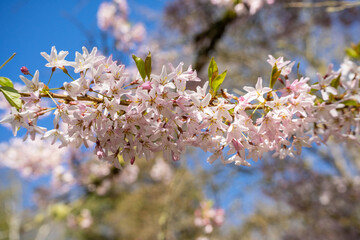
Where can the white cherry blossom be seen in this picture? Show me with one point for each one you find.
(55, 59)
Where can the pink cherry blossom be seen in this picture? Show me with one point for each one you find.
(128, 117)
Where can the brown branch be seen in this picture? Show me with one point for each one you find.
(331, 6)
(66, 97)
(125, 102)
(206, 40)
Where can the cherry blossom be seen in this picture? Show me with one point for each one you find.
(113, 17)
(34, 85)
(208, 217)
(55, 59)
(324, 86)
(257, 92)
(134, 118)
(17, 119)
(284, 66)
(31, 158)
(241, 6)
(161, 171)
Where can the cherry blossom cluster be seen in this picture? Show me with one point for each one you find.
(113, 16)
(99, 178)
(152, 113)
(34, 159)
(208, 217)
(84, 220)
(240, 7)
(161, 171)
(31, 159)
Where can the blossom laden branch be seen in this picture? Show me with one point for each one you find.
(138, 116)
(66, 97)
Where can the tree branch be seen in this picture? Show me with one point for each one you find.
(206, 40)
(66, 97)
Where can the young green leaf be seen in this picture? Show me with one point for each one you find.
(140, 66)
(121, 160)
(212, 70)
(352, 53)
(5, 82)
(12, 96)
(275, 73)
(231, 111)
(335, 82)
(350, 102)
(148, 65)
(216, 83)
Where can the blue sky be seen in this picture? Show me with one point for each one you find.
(29, 27)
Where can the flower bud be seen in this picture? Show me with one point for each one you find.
(146, 85)
(64, 69)
(237, 145)
(24, 70)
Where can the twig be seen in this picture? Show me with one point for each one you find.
(66, 97)
(331, 6)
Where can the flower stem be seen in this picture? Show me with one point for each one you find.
(52, 72)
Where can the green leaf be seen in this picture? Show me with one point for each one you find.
(216, 83)
(148, 65)
(275, 73)
(121, 160)
(313, 91)
(12, 96)
(60, 211)
(318, 101)
(213, 71)
(335, 82)
(350, 102)
(231, 111)
(140, 66)
(5, 82)
(352, 53)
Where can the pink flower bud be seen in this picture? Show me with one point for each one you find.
(100, 152)
(132, 160)
(175, 157)
(146, 85)
(24, 70)
(237, 145)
